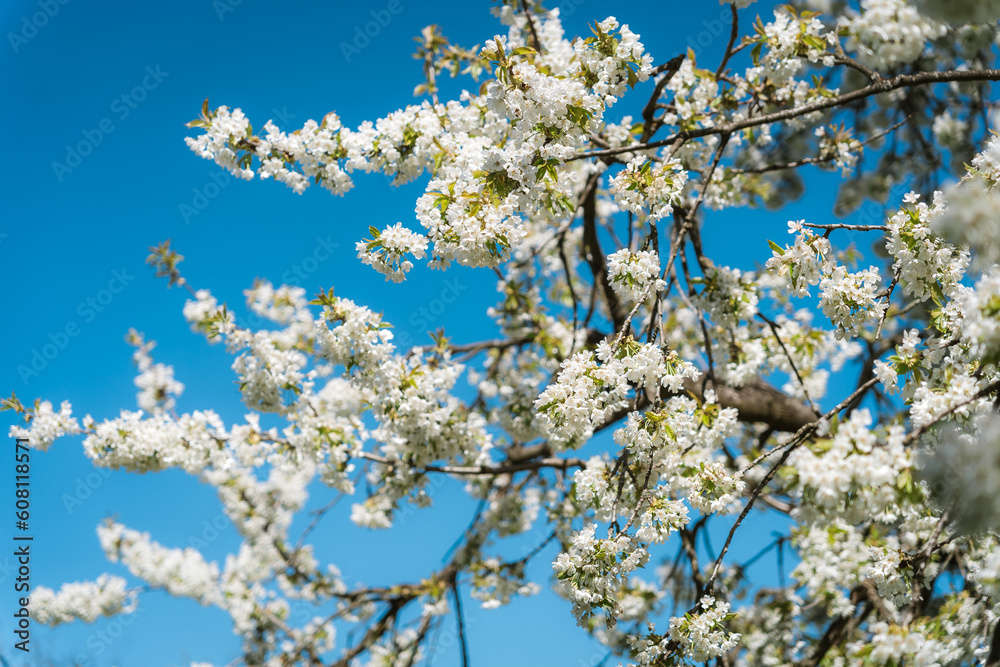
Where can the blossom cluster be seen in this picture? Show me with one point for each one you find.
(635, 387)
(887, 33)
(635, 275)
(85, 601)
(643, 186)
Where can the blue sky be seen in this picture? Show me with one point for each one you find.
(97, 171)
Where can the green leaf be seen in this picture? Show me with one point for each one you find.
(775, 247)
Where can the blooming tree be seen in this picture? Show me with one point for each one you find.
(853, 391)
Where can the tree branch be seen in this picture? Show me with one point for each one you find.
(875, 88)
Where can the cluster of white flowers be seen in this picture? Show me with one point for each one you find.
(617, 62)
(892, 643)
(576, 402)
(218, 141)
(47, 425)
(987, 163)
(694, 95)
(157, 442)
(833, 557)
(838, 147)
(85, 601)
(887, 33)
(906, 361)
(198, 311)
(703, 635)
(850, 300)
(643, 185)
(283, 305)
(931, 401)
(594, 570)
(682, 424)
(804, 262)
(270, 376)
(852, 473)
(949, 131)
(884, 570)
(496, 584)
(661, 518)
(181, 572)
(155, 381)
(635, 276)
(792, 41)
(486, 172)
(927, 266)
(712, 488)
(981, 324)
(987, 567)
(729, 295)
(387, 251)
(505, 173)
(590, 388)
(592, 488)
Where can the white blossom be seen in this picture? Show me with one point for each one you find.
(85, 601)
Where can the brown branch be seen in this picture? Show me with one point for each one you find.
(820, 160)
(594, 255)
(572, 291)
(841, 225)
(840, 628)
(461, 625)
(687, 543)
(993, 660)
(758, 401)
(537, 43)
(917, 597)
(500, 469)
(733, 34)
(810, 427)
(875, 88)
(670, 68)
(374, 632)
(496, 344)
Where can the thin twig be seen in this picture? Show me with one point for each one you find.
(733, 34)
(791, 361)
(461, 624)
(537, 43)
(875, 88)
